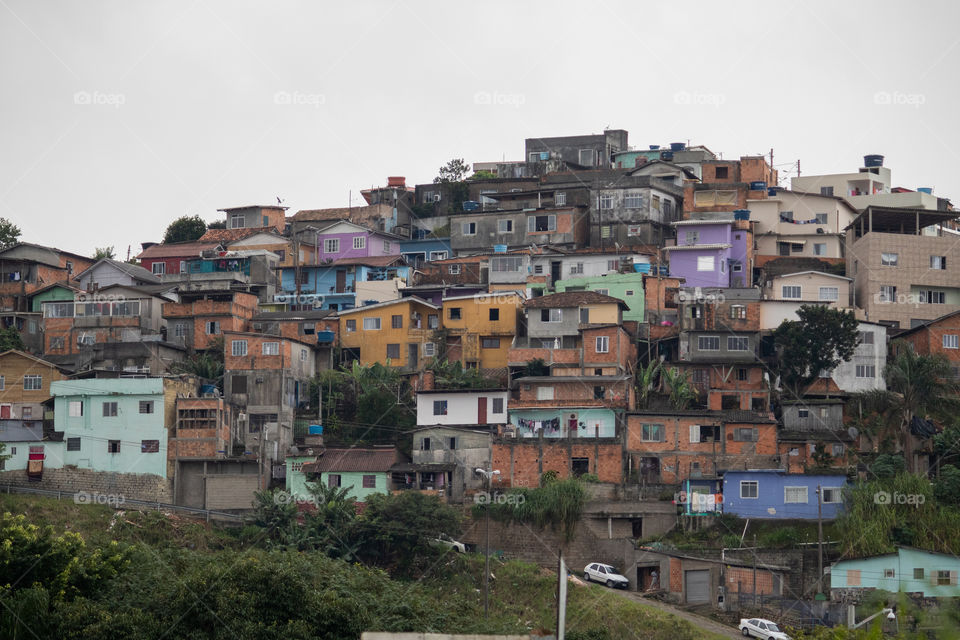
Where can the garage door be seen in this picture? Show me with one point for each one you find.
(697, 585)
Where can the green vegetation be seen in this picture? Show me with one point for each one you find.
(556, 504)
(820, 340)
(185, 229)
(103, 252)
(10, 339)
(682, 391)
(9, 233)
(100, 580)
(452, 375)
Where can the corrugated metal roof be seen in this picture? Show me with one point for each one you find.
(377, 459)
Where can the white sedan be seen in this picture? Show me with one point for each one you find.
(605, 574)
(760, 628)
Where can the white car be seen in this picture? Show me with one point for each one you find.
(760, 628)
(447, 542)
(605, 574)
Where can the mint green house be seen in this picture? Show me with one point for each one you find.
(58, 292)
(296, 483)
(364, 471)
(625, 286)
(114, 425)
(934, 575)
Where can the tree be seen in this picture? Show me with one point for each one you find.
(947, 486)
(219, 224)
(454, 171)
(451, 178)
(682, 391)
(103, 252)
(9, 233)
(483, 174)
(646, 382)
(10, 339)
(185, 229)
(820, 340)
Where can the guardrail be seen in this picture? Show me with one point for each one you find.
(127, 503)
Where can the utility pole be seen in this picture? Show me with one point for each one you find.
(486, 556)
(754, 572)
(819, 541)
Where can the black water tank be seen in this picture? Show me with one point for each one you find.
(666, 155)
(874, 160)
(677, 146)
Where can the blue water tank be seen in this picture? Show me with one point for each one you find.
(873, 160)
(499, 248)
(654, 147)
(470, 205)
(325, 337)
(209, 389)
(315, 430)
(758, 186)
(927, 190)
(772, 191)
(666, 155)
(741, 214)
(678, 146)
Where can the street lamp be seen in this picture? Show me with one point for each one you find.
(486, 563)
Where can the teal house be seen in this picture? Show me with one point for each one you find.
(114, 425)
(932, 575)
(57, 292)
(363, 471)
(624, 286)
(296, 483)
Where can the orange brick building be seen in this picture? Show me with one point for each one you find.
(201, 317)
(937, 337)
(26, 268)
(522, 461)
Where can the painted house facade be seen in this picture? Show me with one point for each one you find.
(25, 385)
(712, 253)
(362, 471)
(160, 259)
(462, 407)
(480, 328)
(912, 571)
(774, 494)
(398, 330)
(348, 240)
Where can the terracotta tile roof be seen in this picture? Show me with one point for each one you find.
(339, 213)
(372, 261)
(222, 236)
(569, 299)
(377, 459)
(176, 250)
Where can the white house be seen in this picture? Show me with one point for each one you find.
(461, 407)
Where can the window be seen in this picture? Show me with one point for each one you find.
(387, 247)
(359, 242)
(158, 268)
(889, 259)
(791, 292)
(371, 324)
(505, 226)
(497, 405)
(109, 409)
(587, 157)
(541, 223)
(836, 449)
(439, 409)
(331, 245)
(281, 253)
(721, 173)
(708, 343)
(369, 481)
(180, 329)
(468, 228)
(866, 371)
(853, 577)
(425, 443)
(585, 315)
(396, 322)
(918, 573)
(655, 205)
(73, 444)
(429, 350)
(633, 200)
(888, 573)
(606, 201)
(749, 489)
(933, 297)
(551, 315)
(950, 341)
(454, 313)
(238, 348)
(506, 263)
(603, 344)
(576, 269)
(826, 191)
(438, 255)
(559, 199)
(271, 348)
(705, 263)
(603, 292)
(738, 312)
(704, 433)
(149, 446)
(146, 406)
(888, 293)
(453, 269)
(236, 220)
(32, 383)
(578, 467)
(57, 343)
(820, 249)
(3, 383)
(938, 262)
(628, 292)
(821, 218)
(75, 408)
(943, 578)
(433, 321)
(795, 495)
(737, 343)
(213, 327)
(613, 265)
(651, 433)
(333, 480)
(490, 343)
(113, 446)
(351, 326)
(238, 384)
(494, 314)
(829, 294)
(736, 267)
(393, 351)
(544, 393)
(745, 434)
(803, 413)
(831, 495)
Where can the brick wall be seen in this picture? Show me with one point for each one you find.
(129, 485)
(676, 575)
(522, 463)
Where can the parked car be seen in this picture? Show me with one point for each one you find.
(449, 543)
(760, 628)
(605, 574)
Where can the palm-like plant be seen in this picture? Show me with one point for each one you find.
(682, 391)
(646, 381)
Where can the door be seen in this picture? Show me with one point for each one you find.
(697, 586)
(413, 358)
(481, 410)
(555, 272)
(4, 412)
(341, 280)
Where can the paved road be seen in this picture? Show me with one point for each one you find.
(692, 618)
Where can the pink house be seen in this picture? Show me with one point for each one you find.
(347, 240)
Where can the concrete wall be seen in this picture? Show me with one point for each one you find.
(129, 485)
(462, 407)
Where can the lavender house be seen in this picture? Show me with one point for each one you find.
(713, 253)
(347, 240)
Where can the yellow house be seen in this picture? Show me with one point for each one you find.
(25, 385)
(398, 330)
(481, 327)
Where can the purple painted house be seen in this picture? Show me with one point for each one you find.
(713, 253)
(347, 240)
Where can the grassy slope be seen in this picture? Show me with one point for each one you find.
(522, 595)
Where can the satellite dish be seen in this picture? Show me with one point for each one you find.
(853, 432)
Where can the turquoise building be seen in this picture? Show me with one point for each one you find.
(363, 471)
(296, 482)
(625, 286)
(934, 575)
(114, 425)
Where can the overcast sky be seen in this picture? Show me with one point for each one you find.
(118, 117)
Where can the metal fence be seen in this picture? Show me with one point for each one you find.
(117, 502)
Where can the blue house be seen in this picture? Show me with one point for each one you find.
(333, 285)
(775, 494)
(418, 250)
(934, 575)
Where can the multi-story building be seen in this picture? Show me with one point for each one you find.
(810, 424)
(398, 332)
(26, 268)
(863, 372)
(787, 223)
(343, 283)
(254, 271)
(587, 151)
(480, 328)
(345, 239)
(623, 286)
(160, 259)
(25, 385)
(677, 153)
(107, 272)
(562, 226)
(726, 185)
(201, 317)
(937, 337)
(905, 265)
(715, 252)
(256, 217)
